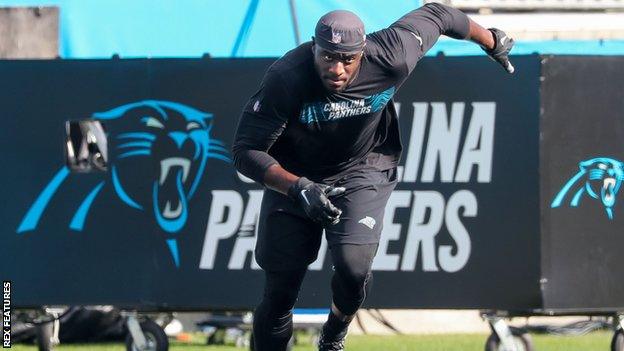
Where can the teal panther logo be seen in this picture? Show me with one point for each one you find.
(599, 178)
(172, 139)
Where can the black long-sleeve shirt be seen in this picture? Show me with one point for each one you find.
(292, 120)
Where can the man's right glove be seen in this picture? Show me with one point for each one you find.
(502, 47)
(314, 198)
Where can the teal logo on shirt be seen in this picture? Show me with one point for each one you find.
(315, 112)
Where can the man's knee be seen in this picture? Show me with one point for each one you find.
(350, 287)
(349, 296)
(280, 300)
(352, 263)
(353, 277)
(281, 290)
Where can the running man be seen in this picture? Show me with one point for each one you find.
(321, 134)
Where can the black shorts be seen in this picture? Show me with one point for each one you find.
(288, 239)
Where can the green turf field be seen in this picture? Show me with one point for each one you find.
(597, 341)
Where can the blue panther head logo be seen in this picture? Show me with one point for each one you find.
(172, 140)
(600, 178)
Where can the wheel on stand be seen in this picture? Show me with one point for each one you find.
(522, 341)
(617, 343)
(155, 337)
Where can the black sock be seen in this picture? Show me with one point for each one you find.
(335, 328)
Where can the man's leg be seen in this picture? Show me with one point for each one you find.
(350, 286)
(287, 243)
(353, 242)
(272, 326)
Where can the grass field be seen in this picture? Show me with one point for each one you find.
(597, 341)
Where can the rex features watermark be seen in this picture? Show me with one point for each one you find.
(6, 314)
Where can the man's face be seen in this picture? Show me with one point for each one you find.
(336, 70)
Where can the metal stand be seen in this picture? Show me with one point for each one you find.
(617, 342)
(144, 333)
(48, 332)
(135, 329)
(618, 320)
(504, 337)
(501, 329)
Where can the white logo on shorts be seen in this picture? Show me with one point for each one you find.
(368, 221)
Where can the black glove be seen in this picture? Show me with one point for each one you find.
(314, 198)
(502, 47)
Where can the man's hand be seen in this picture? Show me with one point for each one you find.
(314, 198)
(502, 47)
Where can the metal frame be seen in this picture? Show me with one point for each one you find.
(134, 328)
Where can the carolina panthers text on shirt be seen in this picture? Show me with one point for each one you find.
(315, 112)
(346, 108)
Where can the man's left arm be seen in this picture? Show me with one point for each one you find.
(494, 42)
(423, 26)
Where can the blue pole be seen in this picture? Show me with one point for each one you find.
(243, 33)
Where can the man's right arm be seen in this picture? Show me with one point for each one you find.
(278, 179)
(251, 157)
(261, 167)
(263, 120)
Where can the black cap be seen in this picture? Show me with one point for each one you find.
(340, 31)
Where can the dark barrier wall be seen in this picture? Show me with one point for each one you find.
(171, 224)
(582, 167)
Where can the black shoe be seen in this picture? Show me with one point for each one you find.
(330, 345)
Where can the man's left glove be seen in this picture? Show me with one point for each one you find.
(314, 199)
(502, 47)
